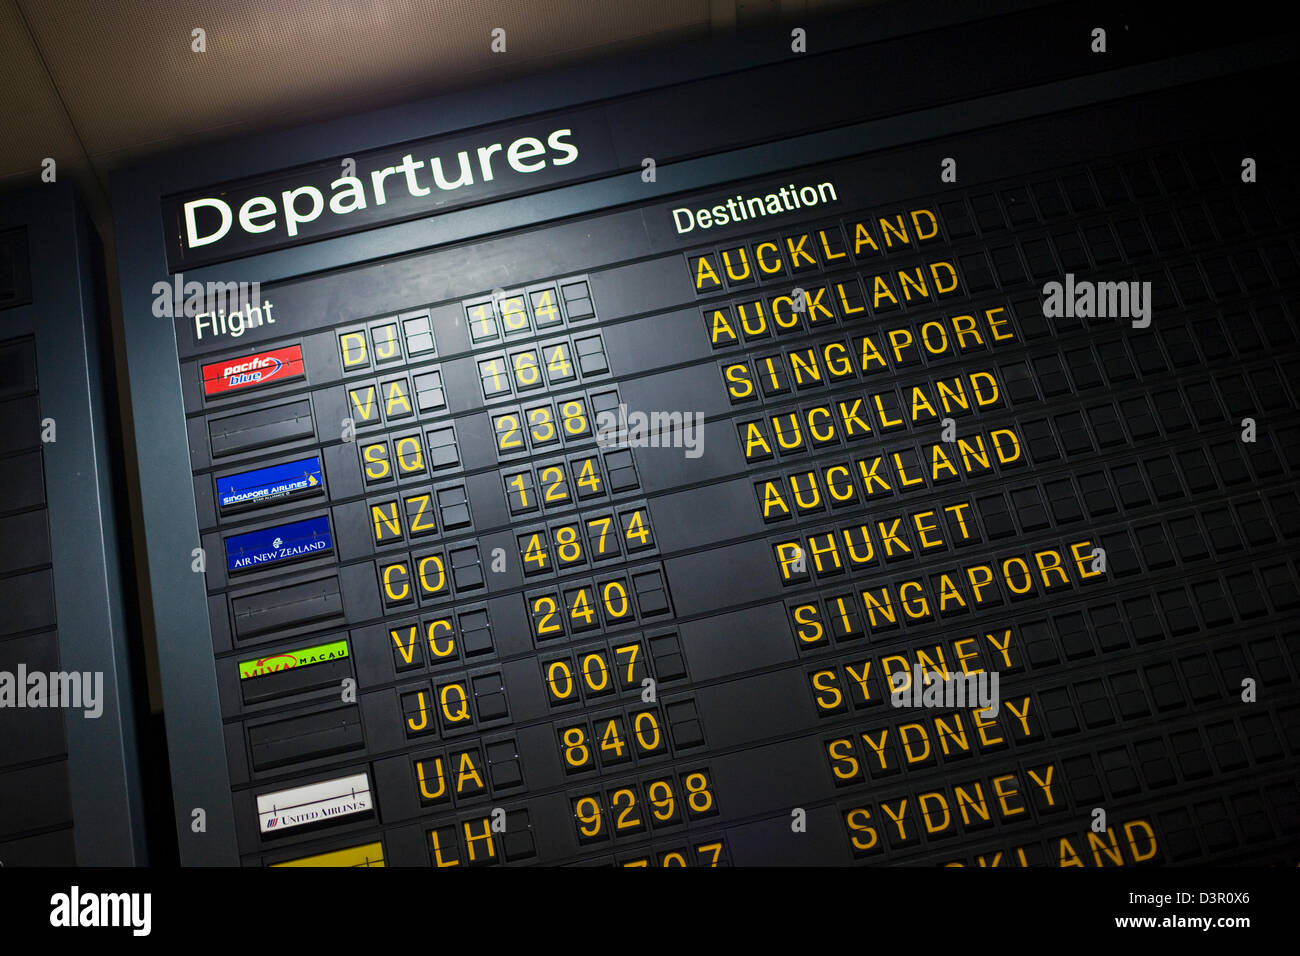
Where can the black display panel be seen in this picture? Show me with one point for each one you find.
(69, 777)
(596, 526)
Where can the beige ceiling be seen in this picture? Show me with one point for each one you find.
(94, 84)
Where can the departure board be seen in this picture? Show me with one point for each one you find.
(851, 492)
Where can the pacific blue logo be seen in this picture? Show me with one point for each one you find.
(272, 546)
(252, 371)
(251, 489)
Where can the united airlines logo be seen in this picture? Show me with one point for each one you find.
(273, 546)
(249, 371)
(315, 802)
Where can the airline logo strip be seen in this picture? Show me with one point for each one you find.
(277, 545)
(314, 803)
(369, 854)
(302, 657)
(250, 489)
(253, 371)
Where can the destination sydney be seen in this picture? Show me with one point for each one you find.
(414, 180)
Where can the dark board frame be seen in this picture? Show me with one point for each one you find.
(197, 748)
(67, 317)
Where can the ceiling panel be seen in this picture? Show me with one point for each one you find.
(131, 79)
(97, 85)
(35, 125)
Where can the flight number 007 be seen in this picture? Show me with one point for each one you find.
(596, 677)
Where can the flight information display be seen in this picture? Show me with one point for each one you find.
(844, 507)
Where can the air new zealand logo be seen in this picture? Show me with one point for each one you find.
(272, 545)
